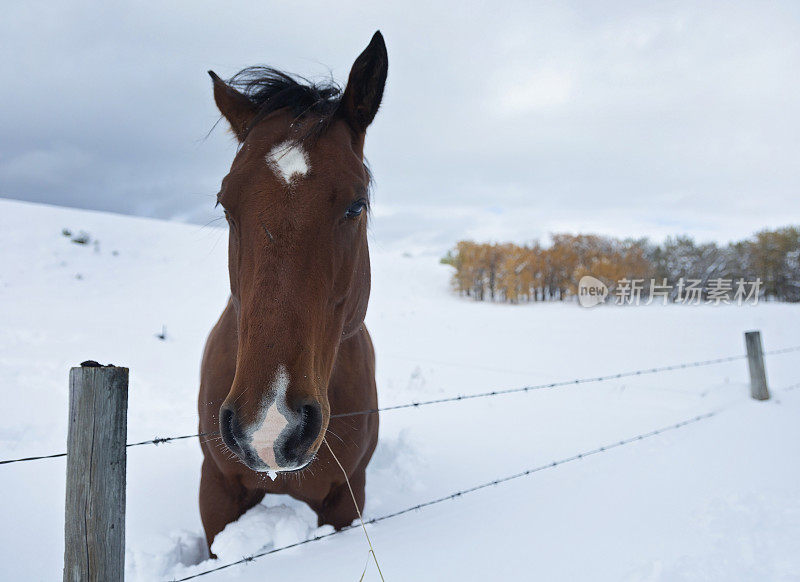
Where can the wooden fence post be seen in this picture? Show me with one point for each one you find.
(755, 361)
(94, 530)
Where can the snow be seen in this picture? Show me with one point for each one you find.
(715, 500)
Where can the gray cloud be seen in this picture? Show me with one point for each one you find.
(500, 121)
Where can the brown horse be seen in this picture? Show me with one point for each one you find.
(290, 349)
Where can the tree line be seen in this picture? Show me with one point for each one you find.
(507, 272)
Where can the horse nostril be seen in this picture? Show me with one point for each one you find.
(229, 429)
(311, 415)
(294, 450)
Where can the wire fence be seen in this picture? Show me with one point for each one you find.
(463, 397)
(758, 386)
(459, 493)
(484, 485)
(153, 441)
(563, 383)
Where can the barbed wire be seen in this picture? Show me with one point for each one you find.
(162, 440)
(781, 351)
(53, 456)
(461, 397)
(460, 493)
(574, 382)
(154, 441)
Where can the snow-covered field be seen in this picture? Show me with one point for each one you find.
(715, 500)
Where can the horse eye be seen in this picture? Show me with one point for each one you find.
(355, 209)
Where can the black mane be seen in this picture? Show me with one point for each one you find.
(270, 90)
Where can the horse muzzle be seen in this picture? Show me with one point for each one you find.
(280, 439)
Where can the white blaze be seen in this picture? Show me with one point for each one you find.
(273, 421)
(288, 160)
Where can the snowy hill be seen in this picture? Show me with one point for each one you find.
(714, 500)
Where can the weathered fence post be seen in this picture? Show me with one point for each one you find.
(755, 361)
(94, 531)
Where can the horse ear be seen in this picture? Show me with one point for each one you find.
(364, 90)
(234, 106)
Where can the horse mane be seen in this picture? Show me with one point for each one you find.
(270, 89)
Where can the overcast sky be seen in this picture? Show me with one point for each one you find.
(501, 121)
